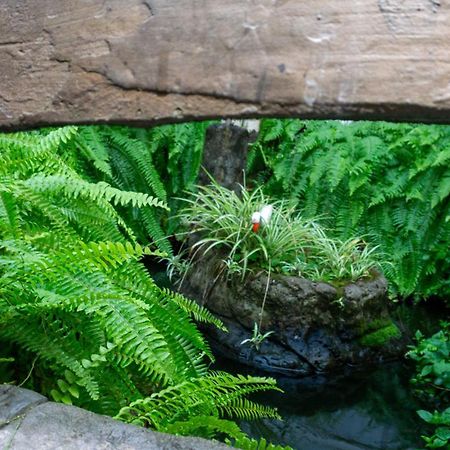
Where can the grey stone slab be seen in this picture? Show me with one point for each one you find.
(33, 424)
(15, 401)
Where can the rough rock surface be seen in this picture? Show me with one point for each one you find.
(151, 61)
(317, 328)
(29, 421)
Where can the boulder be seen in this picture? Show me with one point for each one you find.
(317, 327)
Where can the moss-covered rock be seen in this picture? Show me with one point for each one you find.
(316, 327)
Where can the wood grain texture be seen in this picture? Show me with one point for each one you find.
(153, 61)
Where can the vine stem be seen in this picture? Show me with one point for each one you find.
(441, 388)
(29, 373)
(264, 299)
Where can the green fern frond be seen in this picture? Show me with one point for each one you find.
(94, 191)
(154, 230)
(199, 313)
(211, 395)
(246, 443)
(137, 152)
(112, 254)
(91, 142)
(208, 427)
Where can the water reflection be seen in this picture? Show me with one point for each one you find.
(364, 410)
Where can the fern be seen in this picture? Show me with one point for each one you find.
(195, 310)
(69, 280)
(77, 302)
(246, 443)
(389, 182)
(199, 406)
(161, 162)
(203, 406)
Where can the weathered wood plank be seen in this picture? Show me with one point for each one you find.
(152, 61)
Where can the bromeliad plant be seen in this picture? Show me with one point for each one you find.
(288, 244)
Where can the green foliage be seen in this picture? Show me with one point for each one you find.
(388, 182)
(432, 356)
(203, 407)
(441, 420)
(161, 162)
(288, 244)
(72, 291)
(196, 311)
(77, 302)
(246, 443)
(432, 383)
(257, 337)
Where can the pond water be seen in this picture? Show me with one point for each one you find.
(364, 410)
(361, 410)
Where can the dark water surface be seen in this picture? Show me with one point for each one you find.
(365, 410)
(361, 410)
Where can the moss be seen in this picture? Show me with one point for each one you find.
(380, 336)
(375, 325)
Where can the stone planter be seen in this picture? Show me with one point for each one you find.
(317, 327)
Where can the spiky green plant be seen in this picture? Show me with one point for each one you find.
(288, 244)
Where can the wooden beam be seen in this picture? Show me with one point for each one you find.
(145, 62)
